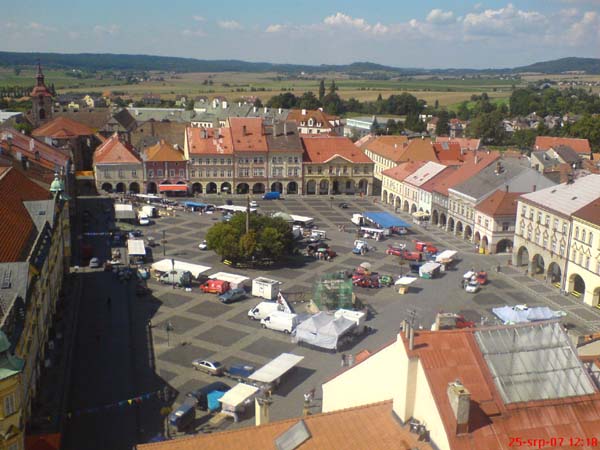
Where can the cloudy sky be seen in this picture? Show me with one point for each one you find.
(402, 33)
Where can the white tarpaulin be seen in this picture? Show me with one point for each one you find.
(405, 281)
(232, 278)
(523, 314)
(275, 369)
(238, 394)
(235, 208)
(166, 265)
(136, 247)
(323, 330)
(446, 255)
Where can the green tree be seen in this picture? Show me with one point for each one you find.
(488, 127)
(524, 138)
(443, 124)
(332, 104)
(391, 127)
(463, 112)
(321, 89)
(413, 123)
(308, 101)
(189, 105)
(375, 128)
(332, 87)
(588, 127)
(257, 103)
(247, 245)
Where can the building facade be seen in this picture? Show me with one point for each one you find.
(118, 167)
(285, 158)
(41, 100)
(495, 219)
(165, 169)
(316, 122)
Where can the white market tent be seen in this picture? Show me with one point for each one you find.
(323, 330)
(231, 278)
(124, 211)
(405, 281)
(136, 247)
(275, 369)
(234, 208)
(165, 265)
(446, 255)
(302, 220)
(237, 395)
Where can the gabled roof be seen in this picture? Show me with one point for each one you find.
(321, 149)
(125, 119)
(466, 355)
(209, 141)
(164, 151)
(17, 229)
(590, 212)
(95, 118)
(388, 147)
(284, 137)
(566, 198)
(248, 134)
(500, 203)
(450, 151)
(465, 143)
(403, 170)
(547, 142)
(566, 153)
(419, 150)
(114, 151)
(62, 128)
(425, 173)
(37, 152)
(474, 163)
(371, 426)
(317, 115)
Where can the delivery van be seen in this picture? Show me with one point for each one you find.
(272, 196)
(263, 310)
(177, 277)
(215, 286)
(280, 321)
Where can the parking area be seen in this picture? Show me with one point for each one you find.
(202, 327)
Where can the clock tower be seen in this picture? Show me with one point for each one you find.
(41, 100)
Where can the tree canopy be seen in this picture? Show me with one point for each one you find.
(268, 239)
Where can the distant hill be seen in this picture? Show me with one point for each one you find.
(108, 61)
(588, 65)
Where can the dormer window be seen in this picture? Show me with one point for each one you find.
(310, 122)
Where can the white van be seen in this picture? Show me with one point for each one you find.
(263, 310)
(280, 321)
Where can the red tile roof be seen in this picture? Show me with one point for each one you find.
(321, 149)
(62, 128)
(500, 203)
(163, 151)
(371, 426)
(388, 147)
(449, 355)
(202, 141)
(248, 134)
(448, 151)
(547, 142)
(317, 115)
(114, 151)
(474, 163)
(590, 212)
(465, 143)
(16, 227)
(37, 152)
(403, 170)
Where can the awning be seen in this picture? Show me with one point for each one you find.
(238, 394)
(135, 247)
(229, 277)
(173, 188)
(276, 368)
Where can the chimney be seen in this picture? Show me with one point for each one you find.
(498, 168)
(285, 131)
(395, 145)
(261, 409)
(411, 339)
(303, 112)
(460, 402)
(506, 187)
(244, 130)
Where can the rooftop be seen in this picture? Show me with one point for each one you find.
(283, 136)
(590, 212)
(465, 143)
(547, 142)
(321, 149)
(425, 173)
(163, 151)
(115, 151)
(403, 170)
(474, 163)
(366, 427)
(500, 203)
(13, 141)
(209, 141)
(318, 116)
(248, 134)
(566, 198)
(388, 147)
(62, 127)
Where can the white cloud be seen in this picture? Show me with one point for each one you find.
(275, 28)
(199, 18)
(507, 20)
(35, 26)
(585, 29)
(229, 25)
(109, 30)
(343, 20)
(193, 33)
(438, 16)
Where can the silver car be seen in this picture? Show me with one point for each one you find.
(210, 367)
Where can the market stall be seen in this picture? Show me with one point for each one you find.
(235, 400)
(429, 270)
(324, 330)
(446, 258)
(235, 281)
(269, 376)
(404, 283)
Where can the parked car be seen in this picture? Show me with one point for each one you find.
(426, 247)
(253, 204)
(201, 394)
(232, 295)
(343, 205)
(94, 263)
(482, 277)
(472, 286)
(214, 368)
(144, 221)
(203, 245)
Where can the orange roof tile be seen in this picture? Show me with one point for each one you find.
(465, 143)
(547, 142)
(114, 151)
(209, 141)
(16, 226)
(163, 151)
(449, 355)
(500, 203)
(62, 128)
(388, 147)
(317, 115)
(36, 151)
(474, 163)
(590, 212)
(371, 426)
(321, 149)
(403, 170)
(248, 134)
(448, 151)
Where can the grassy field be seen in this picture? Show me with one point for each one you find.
(448, 92)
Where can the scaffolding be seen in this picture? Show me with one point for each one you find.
(333, 291)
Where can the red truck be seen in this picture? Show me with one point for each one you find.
(404, 254)
(426, 247)
(215, 286)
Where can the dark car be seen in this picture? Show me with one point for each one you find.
(232, 295)
(201, 394)
(344, 205)
(183, 417)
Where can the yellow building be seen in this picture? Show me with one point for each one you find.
(11, 429)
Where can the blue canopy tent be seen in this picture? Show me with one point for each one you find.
(385, 220)
(195, 205)
(213, 400)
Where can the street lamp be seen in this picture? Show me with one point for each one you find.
(173, 272)
(169, 327)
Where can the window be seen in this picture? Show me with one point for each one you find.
(564, 228)
(222, 161)
(106, 174)
(159, 172)
(583, 235)
(222, 172)
(539, 217)
(366, 169)
(289, 172)
(280, 160)
(215, 172)
(478, 220)
(207, 161)
(193, 160)
(576, 232)
(505, 226)
(319, 170)
(296, 171)
(134, 174)
(290, 159)
(524, 211)
(547, 220)
(150, 173)
(309, 170)
(199, 172)
(296, 159)
(587, 262)
(10, 404)
(182, 173)
(274, 160)
(171, 172)
(590, 239)
(230, 173)
(193, 173)
(553, 245)
(555, 224)
(228, 161)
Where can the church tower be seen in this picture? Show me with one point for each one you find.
(41, 100)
